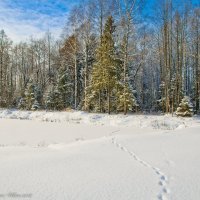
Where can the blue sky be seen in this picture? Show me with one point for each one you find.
(24, 18)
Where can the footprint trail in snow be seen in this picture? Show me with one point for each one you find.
(163, 179)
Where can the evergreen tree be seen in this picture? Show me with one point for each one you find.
(22, 103)
(126, 100)
(185, 108)
(50, 99)
(104, 77)
(60, 96)
(35, 105)
(29, 95)
(64, 88)
(53, 100)
(38, 97)
(32, 97)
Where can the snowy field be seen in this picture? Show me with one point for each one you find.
(79, 156)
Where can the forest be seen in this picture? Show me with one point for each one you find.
(113, 56)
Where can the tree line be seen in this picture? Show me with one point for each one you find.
(111, 57)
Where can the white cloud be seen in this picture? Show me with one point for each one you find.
(20, 23)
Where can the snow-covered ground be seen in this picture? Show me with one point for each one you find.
(164, 122)
(98, 157)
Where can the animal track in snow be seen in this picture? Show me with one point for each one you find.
(163, 179)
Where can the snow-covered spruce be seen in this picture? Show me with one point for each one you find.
(185, 108)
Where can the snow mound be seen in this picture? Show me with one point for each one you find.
(167, 124)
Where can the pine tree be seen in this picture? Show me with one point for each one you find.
(54, 100)
(126, 100)
(38, 97)
(185, 108)
(36, 105)
(32, 97)
(64, 88)
(21, 104)
(104, 76)
(50, 99)
(60, 95)
(29, 95)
